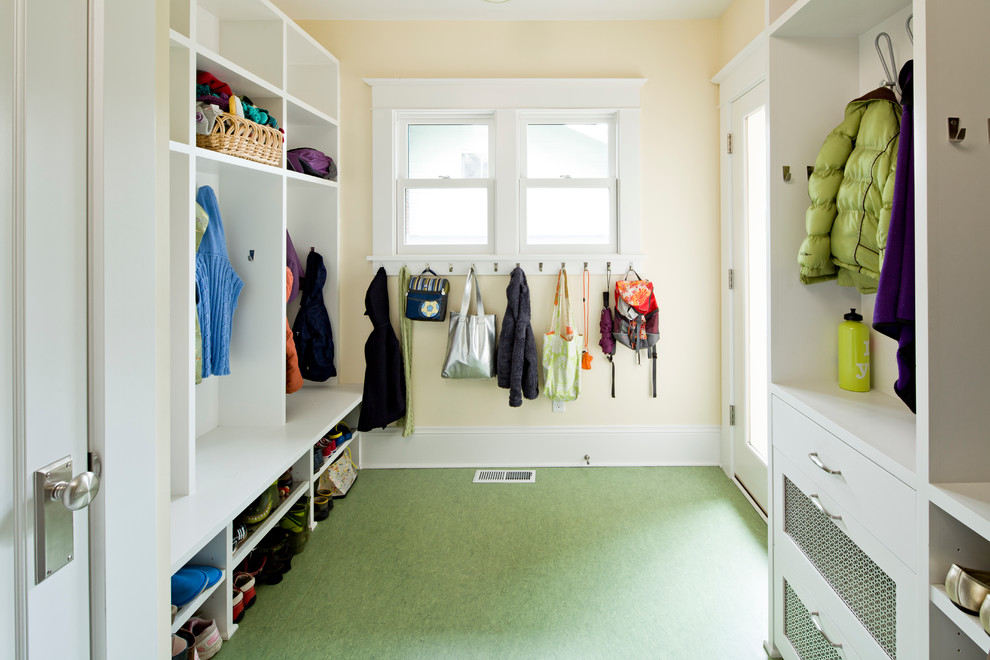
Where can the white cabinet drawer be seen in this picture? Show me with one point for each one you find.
(805, 629)
(867, 590)
(885, 504)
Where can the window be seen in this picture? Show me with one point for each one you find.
(444, 187)
(567, 184)
(474, 168)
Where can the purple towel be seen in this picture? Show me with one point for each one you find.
(894, 314)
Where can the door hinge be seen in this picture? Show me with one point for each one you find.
(732, 279)
(728, 143)
(732, 415)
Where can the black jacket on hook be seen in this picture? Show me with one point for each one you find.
(518, 363)
(384, 381)
(311, 330)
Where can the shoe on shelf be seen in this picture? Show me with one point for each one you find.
(191, 653)
(240, 533)
(285, 481)
(206, 635)
(245, 583)
(237, 605)
(175, 610)
(180, 649)
(296, 523)
(258, 510)
(277, 557)
(321, 507)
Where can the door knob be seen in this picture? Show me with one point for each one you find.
(56, 495)
(77, 493)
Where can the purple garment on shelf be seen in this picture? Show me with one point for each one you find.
(222, 100)
(293, 263)
(894, 313)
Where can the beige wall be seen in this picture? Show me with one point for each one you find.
(741, 22)
(680, 207)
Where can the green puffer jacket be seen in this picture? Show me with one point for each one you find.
(851, 192)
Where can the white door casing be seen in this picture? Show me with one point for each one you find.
(61, 338)
(749, 329)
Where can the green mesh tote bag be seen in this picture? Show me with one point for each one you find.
(562, 349)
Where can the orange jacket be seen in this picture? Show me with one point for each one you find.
(293, 379)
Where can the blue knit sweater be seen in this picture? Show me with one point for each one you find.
(219, 287)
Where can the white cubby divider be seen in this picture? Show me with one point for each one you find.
(232, 436)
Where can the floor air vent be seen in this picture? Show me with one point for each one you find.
(504, 476)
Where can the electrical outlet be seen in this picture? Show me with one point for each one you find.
(558, 406)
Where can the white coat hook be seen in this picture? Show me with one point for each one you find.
(563, 265)
(956, 134)
(496, 266)
(541, 266)
(586, 265)
(450, 268)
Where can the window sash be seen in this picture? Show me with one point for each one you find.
(402, 185)
(609, 247)
(544, 118)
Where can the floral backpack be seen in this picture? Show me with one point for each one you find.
(636, 320)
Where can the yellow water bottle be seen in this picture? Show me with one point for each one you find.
(854, 354)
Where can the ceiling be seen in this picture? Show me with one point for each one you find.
(510, 10)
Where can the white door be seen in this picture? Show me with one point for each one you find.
(46, 281)
(748, 300)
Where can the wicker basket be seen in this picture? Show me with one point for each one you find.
(245, 139)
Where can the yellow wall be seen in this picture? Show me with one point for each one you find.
(741, 22)
(680, 207)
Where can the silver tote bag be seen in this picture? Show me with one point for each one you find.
(470, 338)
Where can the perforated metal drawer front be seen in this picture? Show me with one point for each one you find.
(868, 592)
(801, 632)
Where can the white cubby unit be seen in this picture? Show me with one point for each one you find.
(232, 436)
(903, 496)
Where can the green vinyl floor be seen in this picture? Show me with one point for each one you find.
(584, 563)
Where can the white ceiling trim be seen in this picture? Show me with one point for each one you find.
(512, 10)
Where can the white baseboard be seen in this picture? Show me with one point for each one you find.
(540, 446)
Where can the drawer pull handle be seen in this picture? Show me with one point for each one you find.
(821, 507)
(816, 619)
(821, 466)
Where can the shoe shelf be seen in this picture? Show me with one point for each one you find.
(337, 453)
(236, 464)
(969, 503)
(193, 606)
(969, 624)
(299, 488)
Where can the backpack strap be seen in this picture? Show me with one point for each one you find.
(654, 355)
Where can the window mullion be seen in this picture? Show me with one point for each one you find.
(506, 216)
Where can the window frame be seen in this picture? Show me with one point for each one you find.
(405, 118)
(507, 100)
(610, 183)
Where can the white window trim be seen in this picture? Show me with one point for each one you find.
(509, 99)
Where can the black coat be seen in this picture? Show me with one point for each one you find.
(384, 381)
(518, 363)
(311, 330)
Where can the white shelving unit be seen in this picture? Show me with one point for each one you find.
(232, 436)
(821, 55)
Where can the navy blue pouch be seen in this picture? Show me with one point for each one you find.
(426, 297)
